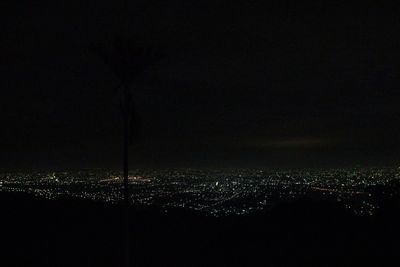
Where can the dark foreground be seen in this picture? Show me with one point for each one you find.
(67, 232)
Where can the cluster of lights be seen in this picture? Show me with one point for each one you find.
(215, 192)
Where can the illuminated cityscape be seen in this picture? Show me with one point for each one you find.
(210, 192)
(200, 133)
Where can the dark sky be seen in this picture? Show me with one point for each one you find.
(243, 84)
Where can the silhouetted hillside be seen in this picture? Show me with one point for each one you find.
(68, 232)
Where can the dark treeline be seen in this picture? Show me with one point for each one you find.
(67, 232)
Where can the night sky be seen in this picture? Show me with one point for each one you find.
(243, 84)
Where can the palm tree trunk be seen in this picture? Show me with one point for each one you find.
(126, 149)
(126, 176)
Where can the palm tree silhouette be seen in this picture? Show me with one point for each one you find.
(127, 59)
